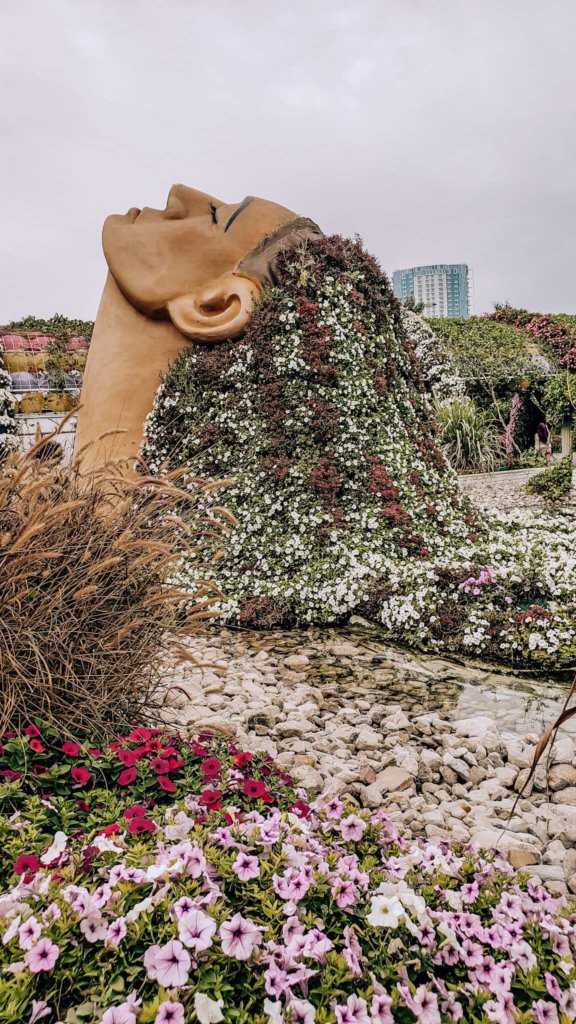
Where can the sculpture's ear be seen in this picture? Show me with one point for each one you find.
(218, 310)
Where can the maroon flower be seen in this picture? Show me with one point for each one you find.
(11, 776)
(32, 730)
(81, 775)
(136, 811)
(198, 749)
(139, 825)
(140, 734)
(212, 799)
(71, 749)
(83, 805)
(211, 767)
(128, 757)
(301, 809)
(94, 752)
(37, 747)
(26, 864)
(39, 769)
(126, 777)
(160, 765)
(175, 763)
(255, 789)
(108, 830)
(243, 759)
(166, 784)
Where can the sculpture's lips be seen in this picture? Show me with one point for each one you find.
(133, 213)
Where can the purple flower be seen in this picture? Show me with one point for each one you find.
(352, 828)
(195, 929)
(29, 933)
(240, 937)
(545, 1012)
(302, 1012)
(169, 1013)
(380, 1009)
(552, 987)
(246, 867)
(424, 1004)
(42, 956)
(168, 964)
(355, 1011)
(122, 1014)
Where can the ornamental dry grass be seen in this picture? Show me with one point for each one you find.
(88, 614)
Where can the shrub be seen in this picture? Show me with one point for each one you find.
(554, 483)
(317, 914)
(467, 436)
(56, 326)
(559, 399)
(87, 609)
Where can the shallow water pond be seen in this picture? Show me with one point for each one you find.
(355, 659)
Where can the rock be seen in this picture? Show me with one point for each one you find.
(345, 650)
(295, 727)
(566, 796)
(308, 777)
(297, 662)
(562, 822)
(368, 739)
(523, 855)
(564, 750)
(561, 776)
(393, 779)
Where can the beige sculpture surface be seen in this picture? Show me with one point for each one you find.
(190, 273)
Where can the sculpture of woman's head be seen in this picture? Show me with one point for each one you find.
(200, 262)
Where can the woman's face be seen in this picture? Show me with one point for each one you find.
(156, 256)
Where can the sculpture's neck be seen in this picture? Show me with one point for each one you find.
(128, 355)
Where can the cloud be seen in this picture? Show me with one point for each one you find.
(439, 131)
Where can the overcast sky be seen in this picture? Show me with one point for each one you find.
(439, 130)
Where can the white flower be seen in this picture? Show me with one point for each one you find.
(57, 848)
(208, 1011)
(385, 912)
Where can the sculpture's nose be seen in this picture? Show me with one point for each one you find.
(194, 200)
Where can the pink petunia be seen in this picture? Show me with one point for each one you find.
(168, 964)
(169, 1013)
(302, 1012)
(239, 937)
(545, 1012)
(116, 932)
(195, 930)
(29, 933)
(354, 1012)
(352, 828)
(42, 956)
(246, 867)
(81, 775)
(122, 1014)
(380, 1009)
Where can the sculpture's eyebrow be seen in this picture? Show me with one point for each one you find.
(245, 202)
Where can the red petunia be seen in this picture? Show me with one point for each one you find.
(154, 745)
(32, 730)
(37, 747)
(301, 809)
(287, 779)
(166, 784)
(169, 752)
(26, 864)
(243, 759)
(139, 825)
(175, 763)
(71, 749)
(137, 811)
(211, 767)
(212, 799)
(128, 757)
(126, 777)
(140, 735)
(109, 830)
(10, 775)
(40, 769)
(94, 752)
(198, 749)
(81, 774)
(255, 789)
(83, 805)
(160, 765)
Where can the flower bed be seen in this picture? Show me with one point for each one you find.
(343, 500)
(231, 911)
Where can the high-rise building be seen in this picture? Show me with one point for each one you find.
(442, 287)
